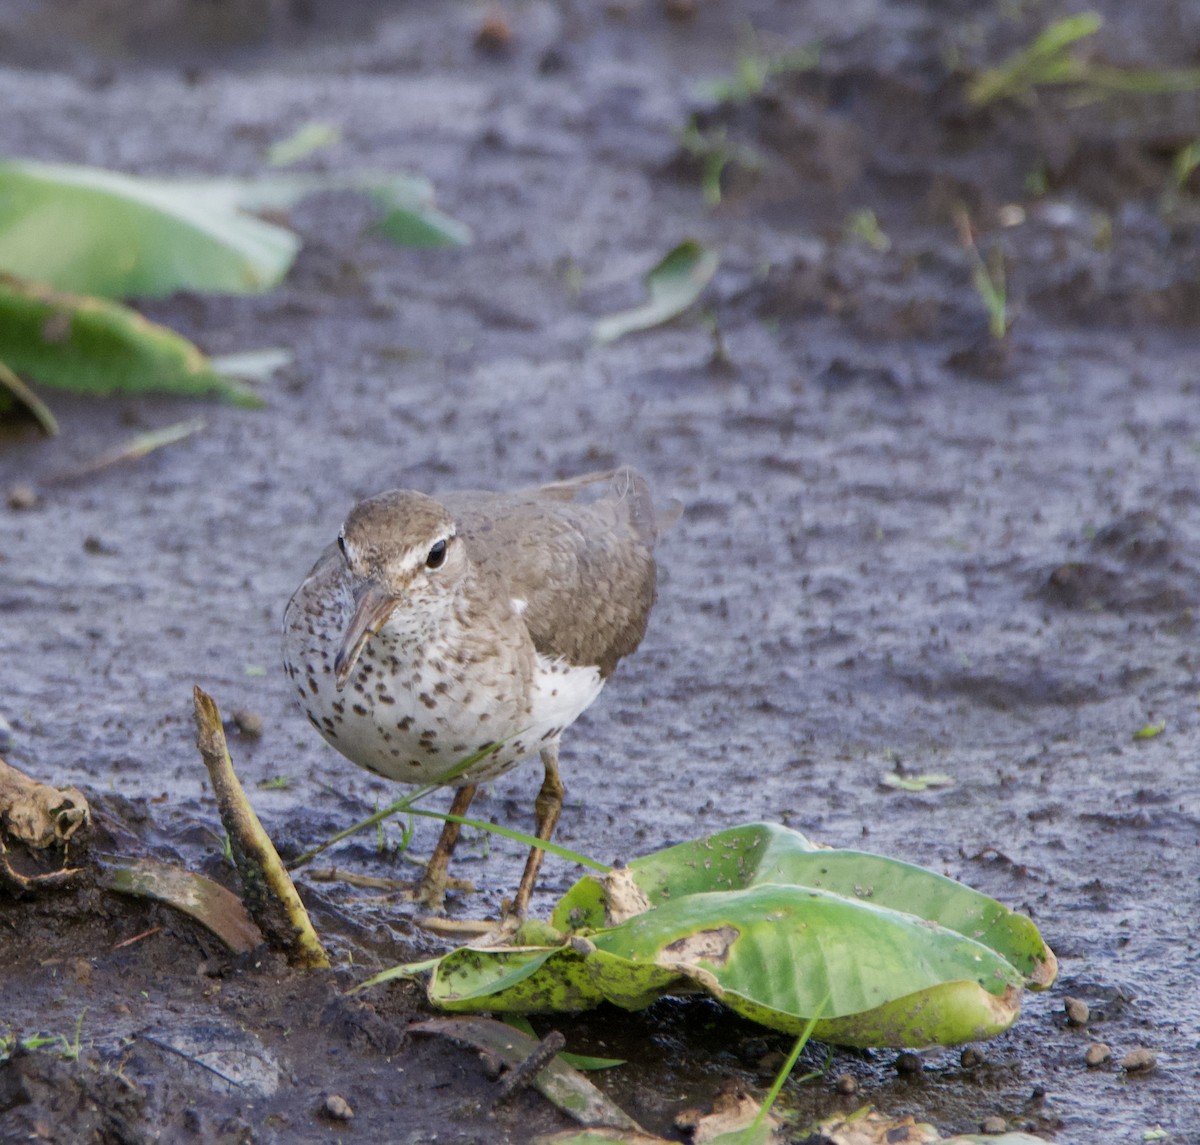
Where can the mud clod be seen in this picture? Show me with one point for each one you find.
(1139, 1061)
(1077, 1011)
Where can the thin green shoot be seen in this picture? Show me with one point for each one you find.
(1187, 159)
(711, 149)
(69, 1049)
(987, 276)
(863, 225)
(516, 836)
(1046, 61)
(755, 1126)
(754, 68)
(1037, 183)
(275, 783)
(1050, 62)
(406, 806)
(25, 396)
(400, 805)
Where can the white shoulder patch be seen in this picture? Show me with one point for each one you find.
(519, 605)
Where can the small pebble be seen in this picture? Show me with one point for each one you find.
(908, 1063)
(494, 33)
(1139, 1061)
(1077, 1011)
(846, 1084)
(680, 9)
(248, 723)
(22, 497)
(6, 734)
(338, 1108)
(971, 1057)
(993, 1125)
(1097, 1054)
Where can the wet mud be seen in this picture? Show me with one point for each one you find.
(905, 545)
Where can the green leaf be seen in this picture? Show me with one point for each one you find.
(307, 138)
(674, 284)
(406, 203)
(878, 952)
(769, 853)
(1150, 731)
(410, 219)
(92, 345)
(100, 232)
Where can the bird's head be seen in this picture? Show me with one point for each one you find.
(402, 552)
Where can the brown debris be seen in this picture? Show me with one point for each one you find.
(36, 817)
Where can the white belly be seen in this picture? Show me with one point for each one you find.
(402, 716)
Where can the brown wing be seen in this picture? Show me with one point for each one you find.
(585, 568)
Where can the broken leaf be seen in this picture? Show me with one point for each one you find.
(94, 346)
(1150, 731)
(917, 782)
(674, 284)
(209, 903)
(252, 365)
(883, 953)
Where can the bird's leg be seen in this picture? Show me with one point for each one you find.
(547, 806)
(432, 891)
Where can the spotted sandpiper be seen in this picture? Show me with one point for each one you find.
(481, 625)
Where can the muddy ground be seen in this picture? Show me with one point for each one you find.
(904, 545)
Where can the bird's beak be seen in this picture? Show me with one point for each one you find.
(373, 604)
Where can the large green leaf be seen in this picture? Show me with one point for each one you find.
(92, 345)
(881, 953)
(100, 232)
(759, 853)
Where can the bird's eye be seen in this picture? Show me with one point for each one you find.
(437, 555)
(342, 545)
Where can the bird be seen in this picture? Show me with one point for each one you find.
(476, 627)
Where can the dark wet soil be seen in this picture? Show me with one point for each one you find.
(904, 545)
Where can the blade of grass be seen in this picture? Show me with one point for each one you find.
(26, 397)
(786, 1070)
(516, 836)
(138, 447)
